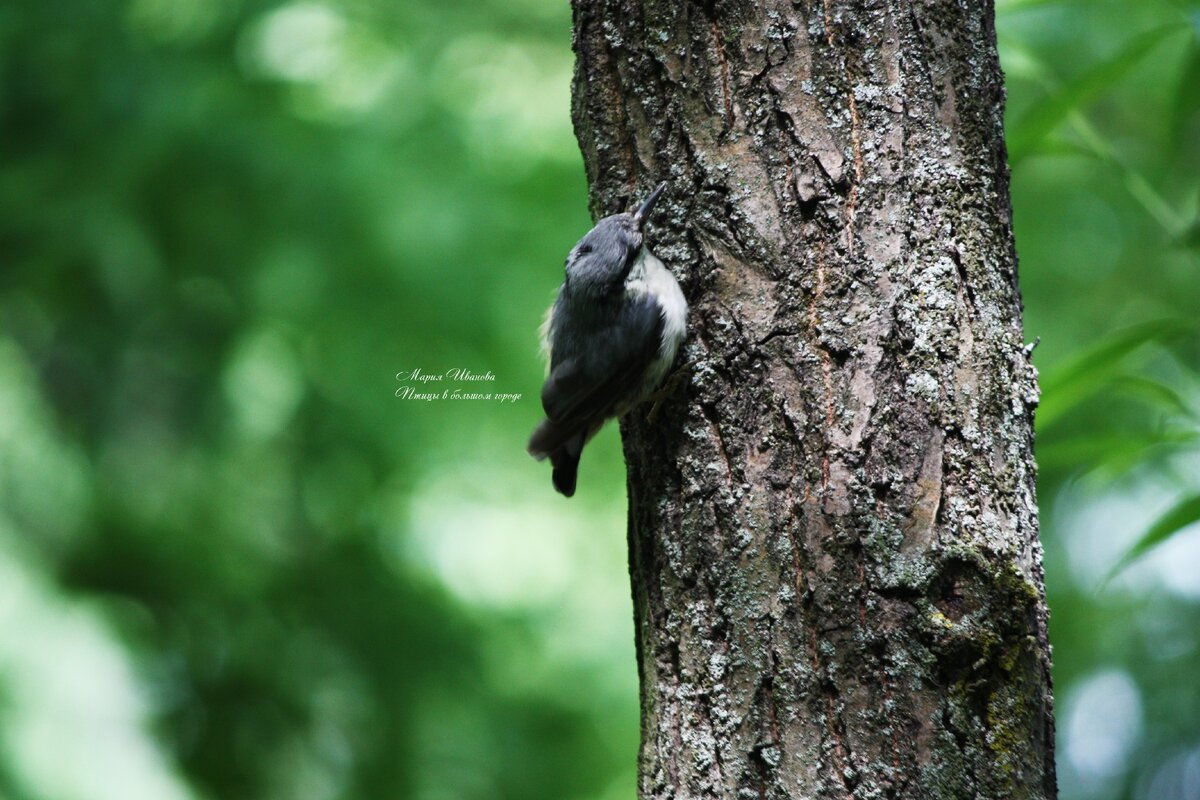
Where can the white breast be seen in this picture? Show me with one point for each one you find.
(649, 277)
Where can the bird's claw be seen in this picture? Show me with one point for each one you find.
(668, 388)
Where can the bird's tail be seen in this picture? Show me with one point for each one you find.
(566, 466)
(563, 448)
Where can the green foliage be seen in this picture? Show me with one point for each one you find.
(1066, 385)
(234, 564)
(1179, 516)
(1053, 109)
(1104, 132)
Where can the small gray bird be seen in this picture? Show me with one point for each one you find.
(611, 335)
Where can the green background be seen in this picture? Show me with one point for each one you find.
(234, 565)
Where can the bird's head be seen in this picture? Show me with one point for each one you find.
(604, 254)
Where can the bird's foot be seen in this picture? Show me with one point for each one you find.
(666, 390)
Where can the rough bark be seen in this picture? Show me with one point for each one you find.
(832, 525)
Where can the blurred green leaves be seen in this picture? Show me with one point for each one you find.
(1033, 128)
(1174, 428)
(225, 226)
(1104, 139)
(1071, 382)
(1184, 513)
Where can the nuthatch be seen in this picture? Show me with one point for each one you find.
(611, 335)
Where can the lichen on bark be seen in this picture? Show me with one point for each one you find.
(832, 524)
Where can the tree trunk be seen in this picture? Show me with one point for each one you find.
(833, 534)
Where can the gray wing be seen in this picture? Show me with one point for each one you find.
(591, 376)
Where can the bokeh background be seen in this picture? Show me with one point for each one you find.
(233, 564)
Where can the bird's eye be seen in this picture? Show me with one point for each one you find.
(584, 249)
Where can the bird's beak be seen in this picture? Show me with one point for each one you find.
(640, 215)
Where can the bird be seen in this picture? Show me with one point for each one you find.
(611, 336)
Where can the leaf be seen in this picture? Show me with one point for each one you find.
(1155, 392)
(1054, 146)
(1065, 387)
(1174, 520)
(1191, 236)
(1045, 116)
(1010, 6)
(1109, 455)
(1113, 465)
(1187, 100)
